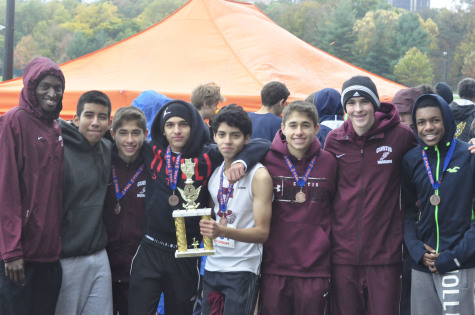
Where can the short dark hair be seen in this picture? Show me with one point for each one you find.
(273, 92)
(466, 88)
(302, 107)
(234, 116)
(126, 114)
(96, 97)
(427, 100)
(208, 94)
(425, 89)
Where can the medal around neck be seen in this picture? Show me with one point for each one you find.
(434, 200)
(300, 197)
(189, 194)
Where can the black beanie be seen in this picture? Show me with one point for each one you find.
(445, 91)
(360, 86)
(175, 109)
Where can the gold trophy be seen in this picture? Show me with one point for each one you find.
(190, 194)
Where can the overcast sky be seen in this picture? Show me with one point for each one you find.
(443, 3)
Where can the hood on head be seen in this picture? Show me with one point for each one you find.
(328, 104)
(449, 121)
(34, 72)
(198, 134)
(404, 99)
(445, 91)
(150, 103)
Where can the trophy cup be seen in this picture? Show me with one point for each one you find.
(190, 194)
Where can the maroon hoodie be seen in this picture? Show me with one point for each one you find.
(31, 174)
(124, 229)
(367, 218)
(299, 239)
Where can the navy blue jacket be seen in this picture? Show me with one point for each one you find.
(448, 227)
(330, 112)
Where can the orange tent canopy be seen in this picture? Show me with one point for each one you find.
(231, 43)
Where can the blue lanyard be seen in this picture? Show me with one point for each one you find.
(223, 198)
(119, 194)
(437, 183)
(300, 180)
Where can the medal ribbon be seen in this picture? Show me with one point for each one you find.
(119, 194)
(172, 174)
(300, 180)
(223, 198)
(437, 183)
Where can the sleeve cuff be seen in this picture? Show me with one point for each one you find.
(240, 161)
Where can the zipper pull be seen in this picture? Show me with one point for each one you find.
(27, 212)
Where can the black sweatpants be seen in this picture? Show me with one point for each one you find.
(154, 271)
(39, 294)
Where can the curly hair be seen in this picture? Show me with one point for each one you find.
(234, 116)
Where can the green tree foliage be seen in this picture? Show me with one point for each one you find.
(361, 7)
(305, 19)
(414, 68)
(468, 68)
(368, 33)
(376, 45)
(158, 10)
(410, 33)
(381, 60)
(451, 32)
(131, 8)
(338, 38)
(83, 44)
(24, 52)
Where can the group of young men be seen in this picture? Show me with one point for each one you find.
(86, 226)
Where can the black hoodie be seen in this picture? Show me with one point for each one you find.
(159, 223)
(464, 113)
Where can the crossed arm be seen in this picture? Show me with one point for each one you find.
(262, 211)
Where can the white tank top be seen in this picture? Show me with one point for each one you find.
(244, 256)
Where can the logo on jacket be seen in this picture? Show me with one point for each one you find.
(141, 194)
(460, 128)
(386, 150)
(453, 169)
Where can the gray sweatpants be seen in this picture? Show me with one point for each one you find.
(449, 294)
(87, 285)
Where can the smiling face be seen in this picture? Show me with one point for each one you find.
(360, 111)
(48, 93)
(177, 131)
(129, 138)
(430, 125)
(93, 122)
(299, 131)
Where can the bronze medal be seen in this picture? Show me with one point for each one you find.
(223, 221)
(117, 208)
(173, 200)
(434, 200)
(300, 197)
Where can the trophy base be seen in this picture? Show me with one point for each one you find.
(191, 213)
(194, 253)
